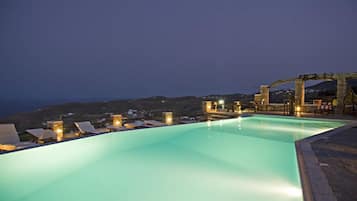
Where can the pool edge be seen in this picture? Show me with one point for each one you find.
(201, 122)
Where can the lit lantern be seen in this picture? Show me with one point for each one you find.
(117, 120)
(57, 127)
(168, 118)
(298, 110)
(237, 107)
(207, 106)
(221, 102)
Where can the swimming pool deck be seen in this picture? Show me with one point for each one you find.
(339, 152)
(328, 164)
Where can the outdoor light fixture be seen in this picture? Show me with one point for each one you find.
(221, 102)
(117, 120)
(237, 107)
(298, 111)
(57, 127)
(206, 106)
(168, 118)
(59, 131)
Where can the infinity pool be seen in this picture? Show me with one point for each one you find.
(247, 159)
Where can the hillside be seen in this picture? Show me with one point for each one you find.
(94, 111)
(100, 112)
(152, 107)
(324, 90)
(331, 85)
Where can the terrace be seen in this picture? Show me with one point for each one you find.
(322, 150)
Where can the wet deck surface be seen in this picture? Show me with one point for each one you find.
(338, 160)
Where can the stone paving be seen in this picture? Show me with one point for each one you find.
(337, 157)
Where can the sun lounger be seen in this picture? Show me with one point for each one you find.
(154, 123)
(136, 125)
(187, 121)
(9, 138)
(86, 127)
(117, 128)
(42, 134)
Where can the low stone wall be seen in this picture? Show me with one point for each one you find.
(280, 107)
(310, 108)
(274, 107)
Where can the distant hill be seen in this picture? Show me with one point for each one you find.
(94, 111)
(8, 107)
(331, 85)
(99, 112)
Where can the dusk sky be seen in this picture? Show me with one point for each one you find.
(76, 49)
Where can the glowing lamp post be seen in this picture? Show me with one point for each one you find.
(117, 120)
(237, 107)
(221, 102)
(207, 106)
(298, 110)
(168, 118)
(57, 127)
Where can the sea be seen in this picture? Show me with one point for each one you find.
(10, 107)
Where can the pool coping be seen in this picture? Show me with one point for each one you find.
(314, 183)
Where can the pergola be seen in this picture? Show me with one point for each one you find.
(300, 87)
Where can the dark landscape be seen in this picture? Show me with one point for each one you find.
(99, 112)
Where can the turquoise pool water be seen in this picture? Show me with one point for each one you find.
(247, 159)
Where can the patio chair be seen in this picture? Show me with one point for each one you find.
(9, 138)
(117, 128)
(154, 123)
(43, 135)
(136, 125)
(86, 127)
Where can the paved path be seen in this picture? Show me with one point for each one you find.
(337, 156)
